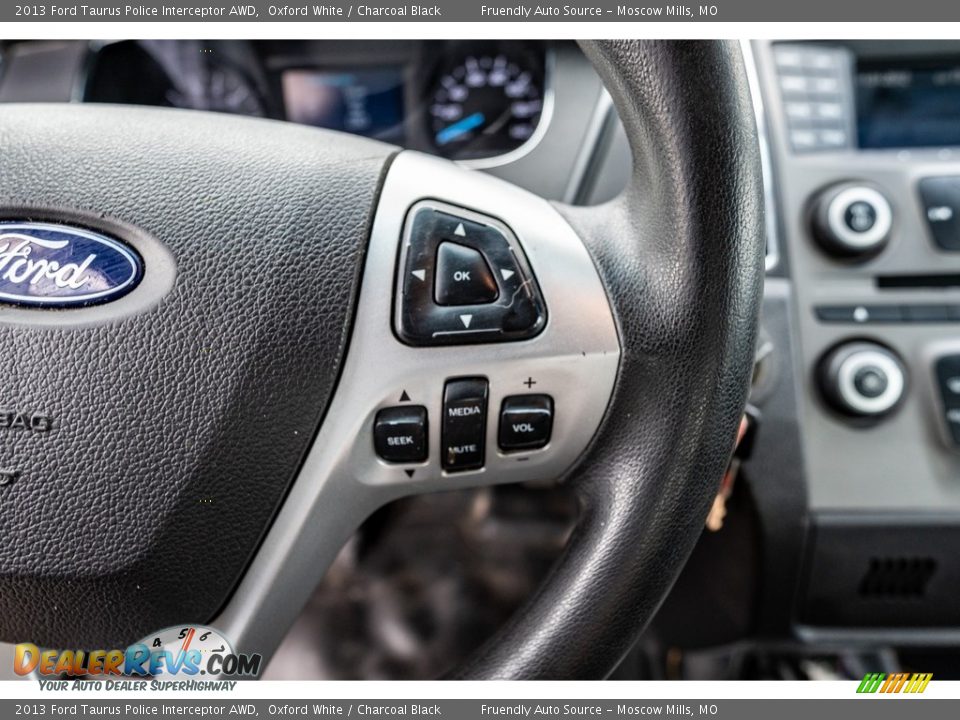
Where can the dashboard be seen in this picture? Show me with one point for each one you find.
(532, 112)
(864, 139)
(459, 100)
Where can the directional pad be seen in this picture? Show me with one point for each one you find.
(464, 279)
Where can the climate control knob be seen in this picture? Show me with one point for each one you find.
(852, 220)
(862, 379)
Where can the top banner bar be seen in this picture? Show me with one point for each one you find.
(486, 11)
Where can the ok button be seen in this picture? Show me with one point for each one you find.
(463, 276)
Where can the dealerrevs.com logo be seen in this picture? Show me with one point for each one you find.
(180, 651)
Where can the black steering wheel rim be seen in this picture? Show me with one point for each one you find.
(681, 255)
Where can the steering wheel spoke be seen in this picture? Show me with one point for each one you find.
(448, 416)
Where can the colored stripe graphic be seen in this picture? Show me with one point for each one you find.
(871, 682)
(913, 683)
(919, 682)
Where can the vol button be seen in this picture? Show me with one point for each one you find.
(525, 422)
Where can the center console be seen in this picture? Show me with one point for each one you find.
(864, 139)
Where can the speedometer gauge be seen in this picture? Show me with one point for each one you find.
(486, 105)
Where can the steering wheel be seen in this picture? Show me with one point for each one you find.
(195, 444)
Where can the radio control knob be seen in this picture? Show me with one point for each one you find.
(852, 220)
(862, 379)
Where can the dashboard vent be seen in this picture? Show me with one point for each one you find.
(897, 578)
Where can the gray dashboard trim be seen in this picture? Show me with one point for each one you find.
(591, 140)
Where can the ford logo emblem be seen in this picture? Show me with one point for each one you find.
(47, 265)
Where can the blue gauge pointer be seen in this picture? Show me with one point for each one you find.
(461, 127)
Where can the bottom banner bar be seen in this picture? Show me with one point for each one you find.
(786, 709)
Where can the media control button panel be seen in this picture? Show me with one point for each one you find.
(428, 250)
(464, 279)
(400, 433)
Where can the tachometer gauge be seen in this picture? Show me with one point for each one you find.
(487, 105)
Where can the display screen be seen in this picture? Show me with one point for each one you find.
(363, 102)
(902, 105)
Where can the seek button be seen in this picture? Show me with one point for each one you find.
(400, 434)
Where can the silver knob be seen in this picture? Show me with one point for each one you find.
(862, 379)
(852, 220)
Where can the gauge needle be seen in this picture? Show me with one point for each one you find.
(495, 126)
(452, 132)
(186, 643)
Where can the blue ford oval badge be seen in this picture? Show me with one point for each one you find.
(48, 265)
